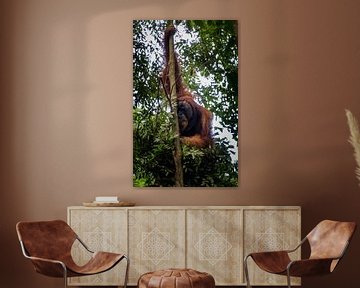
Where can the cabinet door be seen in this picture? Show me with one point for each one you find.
(269, 230)
(214, 244)
(101, 230)
(156, 240)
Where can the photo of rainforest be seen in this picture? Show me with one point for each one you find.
(185, 103)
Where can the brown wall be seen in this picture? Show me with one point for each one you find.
(66, 122)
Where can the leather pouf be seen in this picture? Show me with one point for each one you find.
(176, 278)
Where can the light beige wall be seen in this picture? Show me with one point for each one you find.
(66, 122)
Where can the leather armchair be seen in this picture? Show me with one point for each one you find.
(48, 245)
(328, 242)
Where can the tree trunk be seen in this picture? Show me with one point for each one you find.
(179, 182)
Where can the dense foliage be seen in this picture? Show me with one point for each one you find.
(208, 55)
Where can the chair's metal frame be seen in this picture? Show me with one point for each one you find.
(25, 253)
(289, 265)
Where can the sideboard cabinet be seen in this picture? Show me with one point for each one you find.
(211, 239)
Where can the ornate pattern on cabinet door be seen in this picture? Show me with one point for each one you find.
(270, 230)
(214, 241)
(101, 230)
(156, 240)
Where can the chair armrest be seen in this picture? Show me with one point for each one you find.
(84, 245)
(286, 251)
(48, 267)
(298, 246)
(281, 251)
(268, 253)
(32, 258)
(309, 267)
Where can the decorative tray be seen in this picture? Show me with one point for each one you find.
(120, 204)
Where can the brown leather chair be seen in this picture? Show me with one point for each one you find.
(328, 242)
(48, 245)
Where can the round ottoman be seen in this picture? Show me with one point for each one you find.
(176, 278)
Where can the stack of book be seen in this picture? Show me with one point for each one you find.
(106, 199)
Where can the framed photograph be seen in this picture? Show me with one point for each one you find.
(185, 103)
